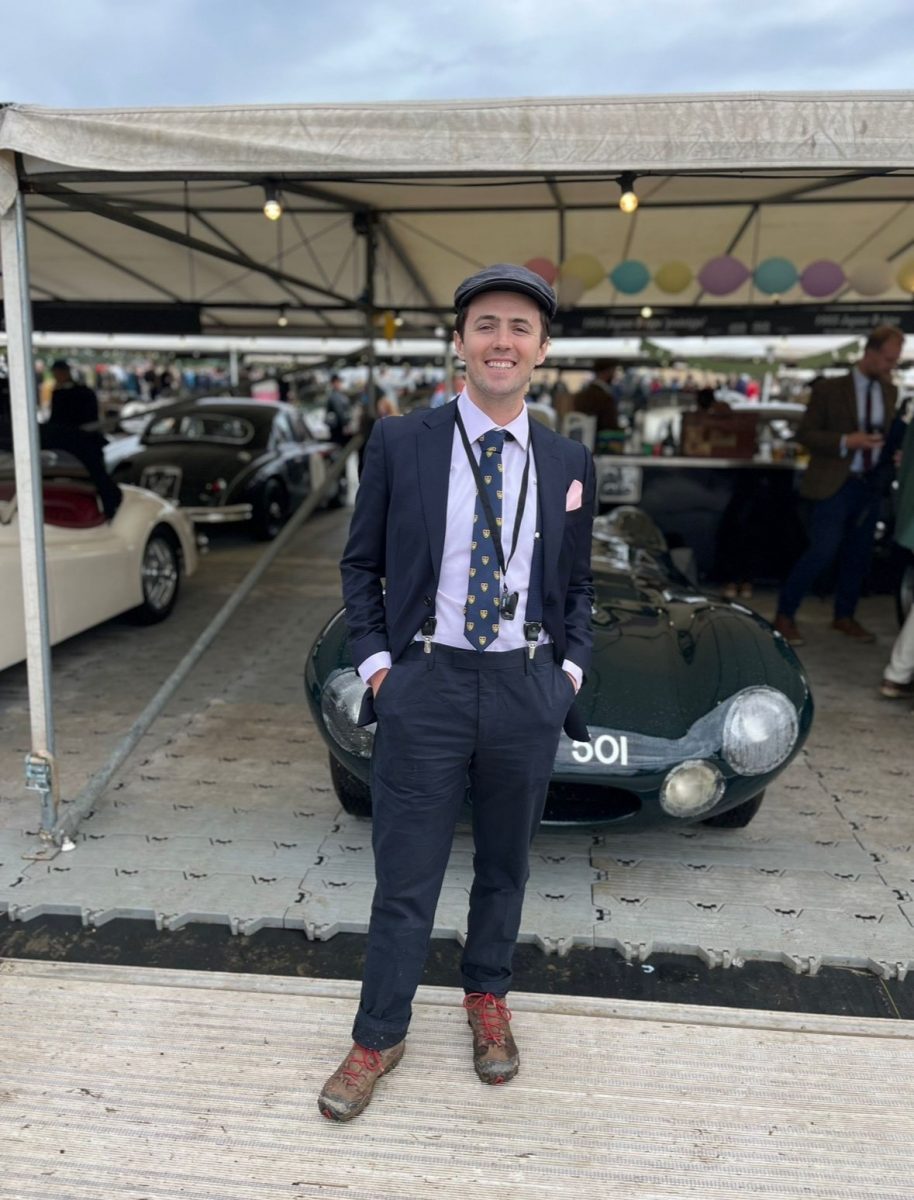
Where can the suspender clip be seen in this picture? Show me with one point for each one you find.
(532, 630)
(429, 625)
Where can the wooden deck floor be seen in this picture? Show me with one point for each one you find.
(139, 1084)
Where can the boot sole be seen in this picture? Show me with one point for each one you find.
(332, 1115)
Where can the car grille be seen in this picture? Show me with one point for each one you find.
(581, 802)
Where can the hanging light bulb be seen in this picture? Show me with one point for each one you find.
(628, 200)
(647, 312)
(282, 320)
(272, 205)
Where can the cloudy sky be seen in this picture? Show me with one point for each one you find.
(111, 53)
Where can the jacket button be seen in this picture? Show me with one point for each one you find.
(427, 601)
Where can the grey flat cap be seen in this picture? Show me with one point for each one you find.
(505, 277)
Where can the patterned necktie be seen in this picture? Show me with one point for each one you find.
(480, 626)
(868, 424)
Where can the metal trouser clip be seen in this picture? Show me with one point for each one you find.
(532, 630)
(429, 625)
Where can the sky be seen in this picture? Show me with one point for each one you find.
(117, 53)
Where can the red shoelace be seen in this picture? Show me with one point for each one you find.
(370, 1060)
(493, 1014)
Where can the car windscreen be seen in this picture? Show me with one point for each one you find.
(223, 428)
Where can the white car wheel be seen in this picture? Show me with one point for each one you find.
(160, 577)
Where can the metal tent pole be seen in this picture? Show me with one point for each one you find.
(40, 772)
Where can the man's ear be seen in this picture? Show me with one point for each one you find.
(457, 343)
(543, 351)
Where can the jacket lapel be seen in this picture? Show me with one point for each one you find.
(850, 401)
(551, 486)
(433, 446)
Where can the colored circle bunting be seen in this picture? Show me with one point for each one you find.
(775, 276)
(544, 267)
(723, 275)
(630, 276)
(673, 277)
(822, 278)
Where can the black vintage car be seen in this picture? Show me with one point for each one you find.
(694, 703)
(225, 459)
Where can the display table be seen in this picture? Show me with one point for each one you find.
(739, 516)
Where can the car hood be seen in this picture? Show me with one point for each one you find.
(666, 655)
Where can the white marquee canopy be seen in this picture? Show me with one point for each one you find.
(164, 206)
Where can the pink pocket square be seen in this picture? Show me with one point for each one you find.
(574, 495)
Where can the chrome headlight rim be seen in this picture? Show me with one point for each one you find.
(341, 699)
(741, 755)
(716, 786)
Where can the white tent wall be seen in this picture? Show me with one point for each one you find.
(160, 206)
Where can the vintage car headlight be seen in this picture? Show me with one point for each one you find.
(691, 788)
(760, 731)
(341, 700)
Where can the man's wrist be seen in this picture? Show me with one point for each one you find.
(376, 662)
(575, 674)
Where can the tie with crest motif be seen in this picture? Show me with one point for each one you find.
(483, 589)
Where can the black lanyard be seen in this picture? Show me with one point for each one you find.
(487, 505)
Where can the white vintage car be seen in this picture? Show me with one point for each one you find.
(96, 568)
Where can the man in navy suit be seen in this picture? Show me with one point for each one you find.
(468, 597)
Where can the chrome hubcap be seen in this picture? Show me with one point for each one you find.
(160, 574)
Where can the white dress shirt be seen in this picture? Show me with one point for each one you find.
(454, 576)
(877, 414)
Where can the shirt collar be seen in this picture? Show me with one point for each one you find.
(476, 422)
(861, 381)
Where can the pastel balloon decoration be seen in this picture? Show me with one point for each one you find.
(673, 277)
(584, 267)
(775, 276)
(821, 278)
(723, 275)
(905, 276)
(544, 267)
(870, 278)
(630, 276)
(571, 289)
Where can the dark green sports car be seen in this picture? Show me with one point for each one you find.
(694, 704)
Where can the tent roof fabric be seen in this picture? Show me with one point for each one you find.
(672, 133)
(144, 205)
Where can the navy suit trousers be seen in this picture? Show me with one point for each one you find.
(842, 527)
(448, 720)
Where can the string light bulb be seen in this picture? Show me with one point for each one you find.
(272, 205)
(282, 320)
(628, 199)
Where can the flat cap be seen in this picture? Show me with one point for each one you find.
(505, 277)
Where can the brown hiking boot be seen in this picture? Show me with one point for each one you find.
(850, 628)
(787, 628)
(348, 1090)
(495, 1055)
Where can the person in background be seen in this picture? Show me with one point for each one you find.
(73, 427)
(598, 398)
(706, 401)
(843, 429)
(338, 411)
(898, 676)
(73, 405)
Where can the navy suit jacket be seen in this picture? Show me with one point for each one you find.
(397, 535)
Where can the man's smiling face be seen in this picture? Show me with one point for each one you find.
(501, 345)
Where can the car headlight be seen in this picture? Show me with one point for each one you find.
(341, 700)
(760, 731)
(691, 788)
